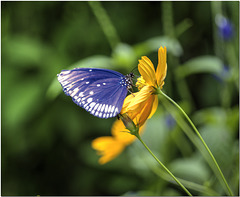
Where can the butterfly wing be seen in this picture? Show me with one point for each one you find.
(99, 91)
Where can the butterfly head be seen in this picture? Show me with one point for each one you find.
(129, 81)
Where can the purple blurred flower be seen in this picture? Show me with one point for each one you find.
(223, 75)
(170, 121)
(225, 27)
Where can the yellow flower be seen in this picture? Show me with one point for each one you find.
(110, 147)
(139, 107)
(144, 103)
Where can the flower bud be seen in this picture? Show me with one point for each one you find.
(225, 27)
(129, 124)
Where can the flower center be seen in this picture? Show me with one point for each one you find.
(140, 83)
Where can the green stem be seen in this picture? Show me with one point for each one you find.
(203, 189)
(200, 137)
(191, 185)
(105, 22)
(170, 30)
(167, 15)
(165, 168)
(218, 43)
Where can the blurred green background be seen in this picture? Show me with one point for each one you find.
(46, 138)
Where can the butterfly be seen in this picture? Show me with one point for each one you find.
(99, 91)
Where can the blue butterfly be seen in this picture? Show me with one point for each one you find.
(99, 91)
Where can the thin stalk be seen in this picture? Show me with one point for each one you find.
(170, 30)
(188, 131)
(105, 22)
(167, 15)
(191, 185)
(205, 190)
(202, 140)
(218, 44)
(165, 168)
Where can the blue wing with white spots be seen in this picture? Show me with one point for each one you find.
(99, 91)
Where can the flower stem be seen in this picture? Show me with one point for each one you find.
(202, 140)
(178, 182)
(105, 22)
(205, 190)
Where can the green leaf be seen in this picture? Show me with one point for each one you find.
(220, 142)
(192, 169)
(214, 115)
(23, 102)
(203, 64)
(23, 51)
(124, 55)
(152, 44)
(218, 116)
(97, 61)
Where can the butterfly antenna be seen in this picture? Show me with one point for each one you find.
(135, 76)
(134, 69)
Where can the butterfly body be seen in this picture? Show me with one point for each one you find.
(99, 91)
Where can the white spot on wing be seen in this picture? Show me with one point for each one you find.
(62, 78)
(87, 82)
(64, 82)
(99, 108)
(98, 85)
(81, 94)
(96, 106)
(90, 70)
(106, 108)
(91, 92)
(89, 100)
(102, 107)
(109, 109)
(74, 92)
(92, 104)
(65, 72)
(104, 84)
(112, 108)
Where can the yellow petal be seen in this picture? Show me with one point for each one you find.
(161, 84)
(108, 148)
(162, 65)
(114, 150)
(140, 97)
(146, 111)
(121, 134)
(101, 143)
(147, 71)
(154, 106)
(126, 102)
